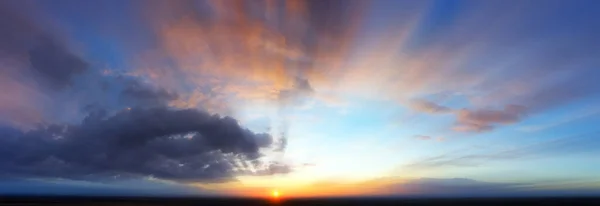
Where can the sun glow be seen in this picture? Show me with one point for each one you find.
(275, 194)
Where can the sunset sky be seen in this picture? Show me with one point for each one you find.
(310, 98)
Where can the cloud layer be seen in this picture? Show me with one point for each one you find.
(178, 145)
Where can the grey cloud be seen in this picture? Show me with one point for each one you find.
(275, 168)
(300, 89)
(328, 16)
(141, 94)
(294, 96)
(333, 21)
(54, 63)
(50, 60)
(38, 70)
(178, 145)
(17, 29)
(134, 187)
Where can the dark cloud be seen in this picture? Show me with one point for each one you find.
(332, 21)
(17, 30)
(428, 107)
(54, 63)
(50, 60)
(485, 119)
(134, 187)
(328, 16)
(39, 70)
(293, 96)
(178, 145)
(142, 94)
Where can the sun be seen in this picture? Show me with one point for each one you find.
(275, 194)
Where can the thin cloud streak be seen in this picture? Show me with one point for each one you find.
(578, 144)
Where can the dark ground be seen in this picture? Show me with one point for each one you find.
(54, 201)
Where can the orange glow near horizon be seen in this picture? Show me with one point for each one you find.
(275, 194)
(288, 190)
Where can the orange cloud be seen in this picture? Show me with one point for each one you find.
(254, 49)
(246, 46)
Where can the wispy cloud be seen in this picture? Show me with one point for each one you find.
(577, 144)
(486, 56)
(428, 107)
(454, 187)
(429, 138)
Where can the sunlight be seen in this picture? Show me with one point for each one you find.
(275, 194)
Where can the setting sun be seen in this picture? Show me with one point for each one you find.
(275, 194)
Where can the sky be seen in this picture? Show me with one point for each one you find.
(310, 98)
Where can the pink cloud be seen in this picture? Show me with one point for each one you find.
(485, 119)
(428, 107)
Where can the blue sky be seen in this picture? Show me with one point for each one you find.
(389, 94)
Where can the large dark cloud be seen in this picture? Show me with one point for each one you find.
(178, 145)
